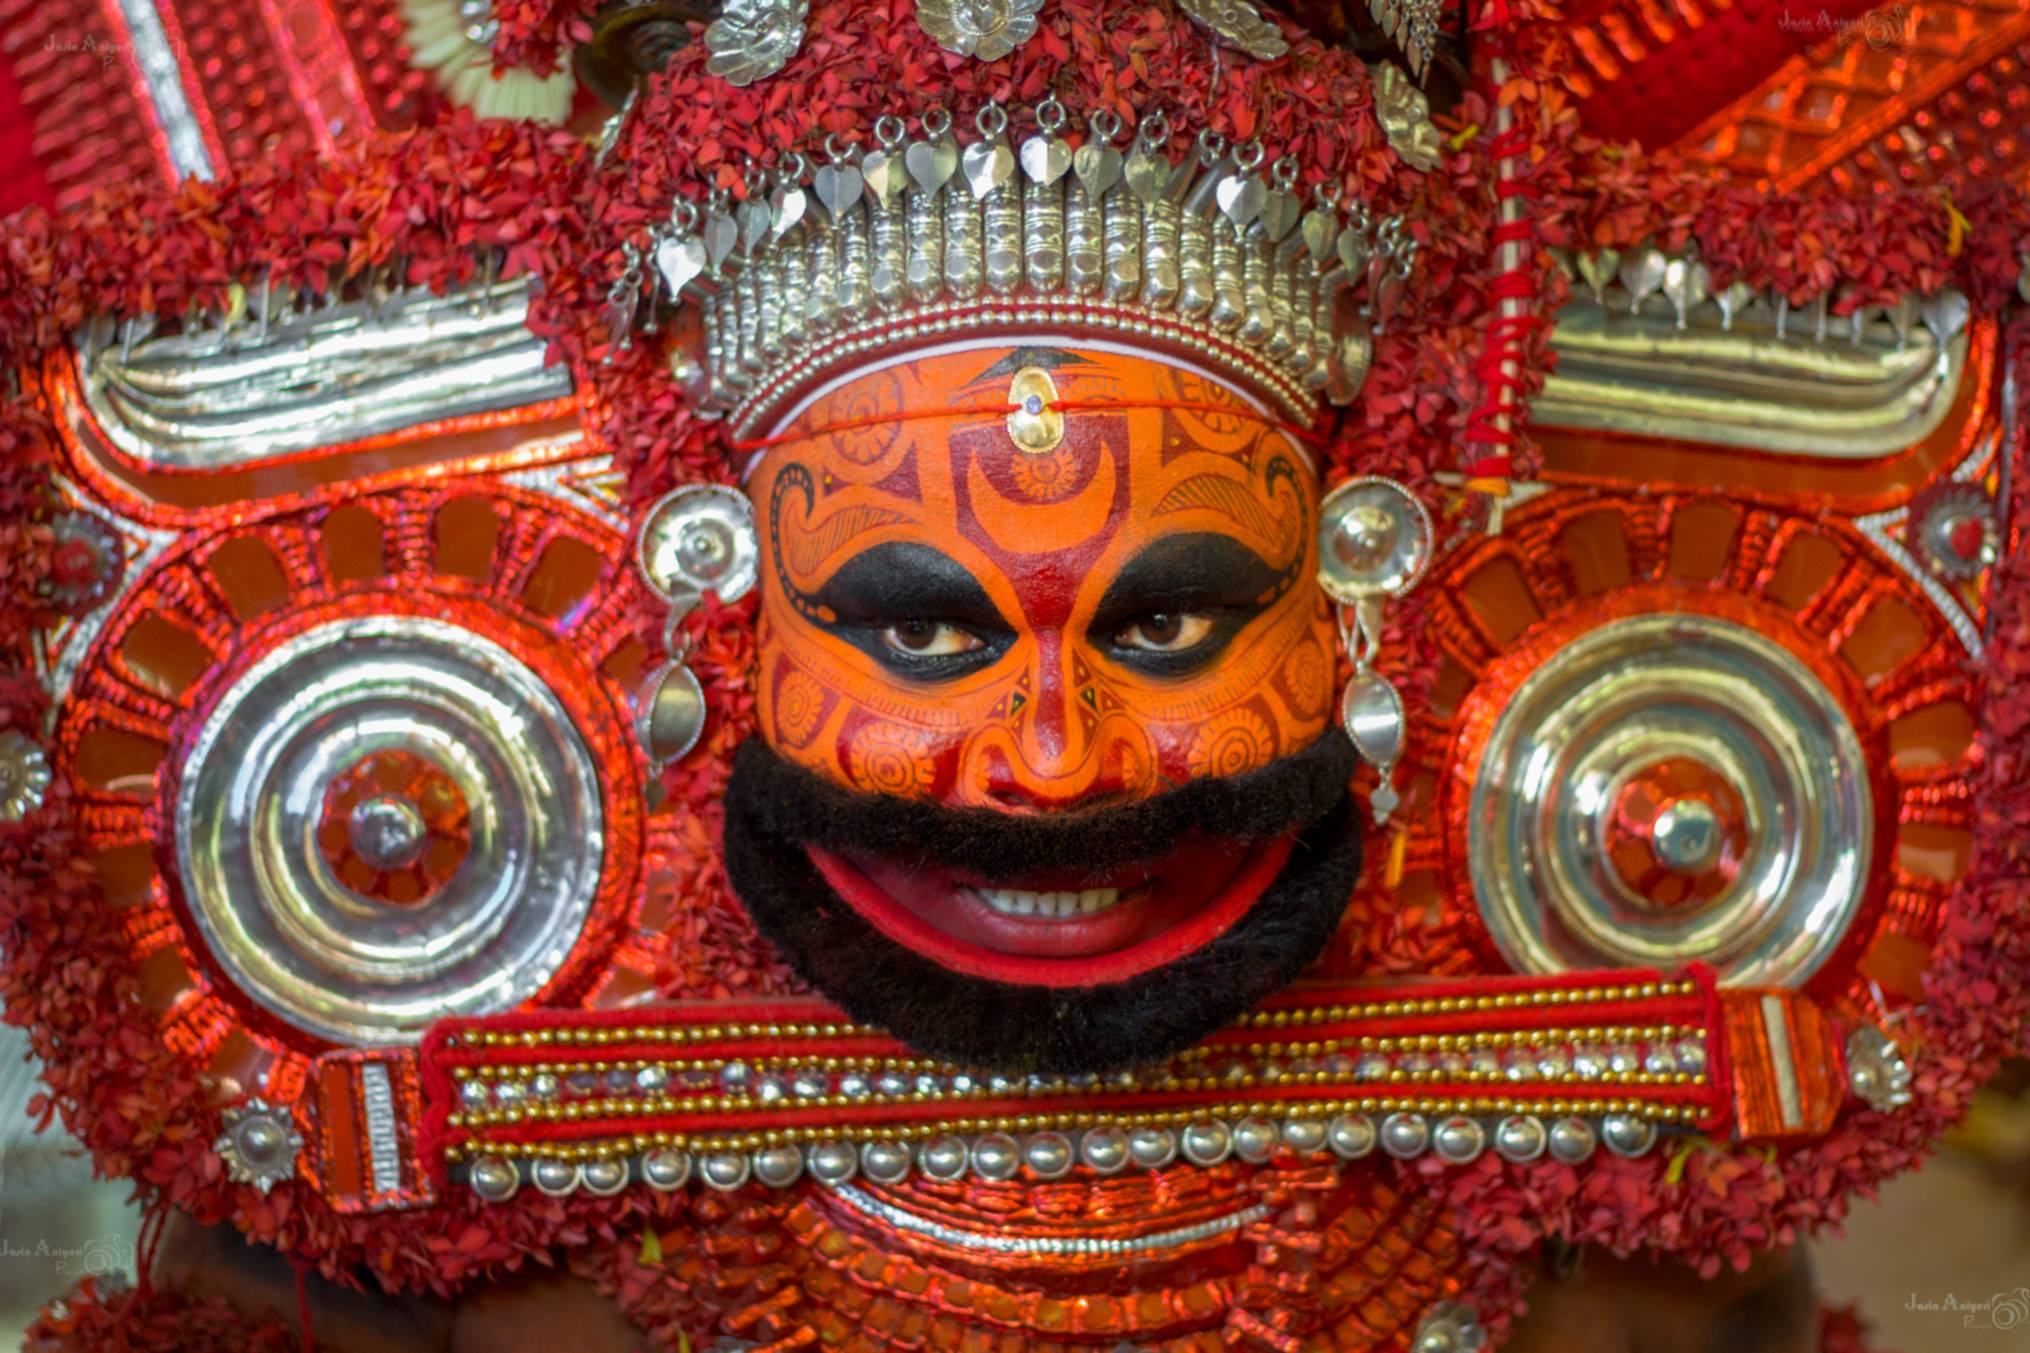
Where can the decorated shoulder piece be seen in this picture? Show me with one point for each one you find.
(1032, 675)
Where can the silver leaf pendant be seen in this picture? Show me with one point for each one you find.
(1098, 167)
(680, 259)
(1148, 175)
(1347, 361)
(1371, 711)
(1686, 282)
(1321, 232)
(1385, 298)
(671, 716)
(1642, 274)
(1945, 314)
(1046, 159)
(754, 221)
(1732, 300)
(787, 207)
(931, 164)
(1353, 251)
(988, 165)
(884, 176)
(720, 237)
(622, 304)
(1597, 270)
(1241, 199)
(838, 187)
(1279, 214)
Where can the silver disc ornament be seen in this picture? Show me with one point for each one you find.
(697, 539)
(387, 820)
(1375, 541)
(1672, 787)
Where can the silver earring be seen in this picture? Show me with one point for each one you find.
(1374, 542)
(695, 539)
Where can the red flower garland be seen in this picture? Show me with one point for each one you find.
(1841, 1330)
(535, 34)
(99, 1314)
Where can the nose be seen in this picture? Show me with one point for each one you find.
(1069, 743)
(1013, 786)
(1019, 776)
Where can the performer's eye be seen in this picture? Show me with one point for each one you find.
(914, 610)
(930, 639)
(1165, 632)
(1174, 607)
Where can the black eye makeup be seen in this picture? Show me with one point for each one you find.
(1178, 603)
(915, 610)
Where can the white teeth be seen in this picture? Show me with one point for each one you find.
(1022, 902)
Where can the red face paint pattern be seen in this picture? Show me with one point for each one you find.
(1070, 678)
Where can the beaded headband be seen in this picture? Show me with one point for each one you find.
(911, 241)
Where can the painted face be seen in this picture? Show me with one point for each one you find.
(958, 617)
(1073, 608)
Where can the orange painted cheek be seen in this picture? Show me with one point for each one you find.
(1267, 703)
(818, 713)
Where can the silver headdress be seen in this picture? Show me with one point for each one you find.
(907, 242)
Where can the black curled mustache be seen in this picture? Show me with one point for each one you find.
(793, 804)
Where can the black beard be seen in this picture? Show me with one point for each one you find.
(774, 809)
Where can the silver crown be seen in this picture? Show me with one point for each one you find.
(911, 241)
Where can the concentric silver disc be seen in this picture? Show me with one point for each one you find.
(1668, 788)
(273, 849)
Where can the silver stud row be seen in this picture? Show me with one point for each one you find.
(997, 1157)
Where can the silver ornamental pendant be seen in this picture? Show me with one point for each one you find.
(695, 539)
(1371, 711)
(1374, 542)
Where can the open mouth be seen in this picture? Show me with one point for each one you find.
(1062, 929)
(1063, 944)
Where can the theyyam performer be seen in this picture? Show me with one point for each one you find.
(1023, 675)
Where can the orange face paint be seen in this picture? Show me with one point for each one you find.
(1100, 593)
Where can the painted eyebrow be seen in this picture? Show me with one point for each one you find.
(906, 581)
(1192, 570)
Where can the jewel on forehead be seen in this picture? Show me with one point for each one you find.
(1034, 423)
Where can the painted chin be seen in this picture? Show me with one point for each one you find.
(1071, 930)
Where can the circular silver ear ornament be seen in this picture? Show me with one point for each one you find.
(1374, 540)
(671, 715)
(696, 539)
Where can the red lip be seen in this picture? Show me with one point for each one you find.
(1180, 904)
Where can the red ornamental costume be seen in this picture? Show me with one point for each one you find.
(1324, 703)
